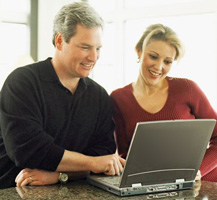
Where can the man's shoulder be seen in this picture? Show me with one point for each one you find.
(28, 73)
(93, 84)
(29, 69)
(93, 89)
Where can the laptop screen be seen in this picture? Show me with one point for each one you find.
(166, 151)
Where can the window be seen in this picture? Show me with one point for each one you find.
(15, 35)
(142, 3)
(195, 21)
(200, 41)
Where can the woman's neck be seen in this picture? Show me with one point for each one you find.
(141, 87)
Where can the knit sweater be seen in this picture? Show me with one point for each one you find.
(40, 118)
(185, 101)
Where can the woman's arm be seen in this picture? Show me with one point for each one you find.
(202, 109)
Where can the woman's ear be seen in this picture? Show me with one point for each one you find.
(59, 41)
(138, 51)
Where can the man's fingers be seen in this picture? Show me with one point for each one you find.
(24, 178)
(23, 173)
(110, 171)
(109, 164)
(23, 182)
(122, 161)
(118, 164)
(116, 167)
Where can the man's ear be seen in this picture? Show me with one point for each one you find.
(59, 41)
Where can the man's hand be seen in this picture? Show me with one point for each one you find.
(36, 177)
(109, 164)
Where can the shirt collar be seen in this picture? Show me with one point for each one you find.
(48, 74)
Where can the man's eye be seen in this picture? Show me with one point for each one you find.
(85, 48)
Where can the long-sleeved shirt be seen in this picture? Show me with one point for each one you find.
(40, 118)
(185, 101)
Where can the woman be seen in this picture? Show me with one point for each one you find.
(155, 96)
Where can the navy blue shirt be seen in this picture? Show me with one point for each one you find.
(39, 118)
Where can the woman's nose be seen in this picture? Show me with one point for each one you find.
(159, 65)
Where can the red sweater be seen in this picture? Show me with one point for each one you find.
(185, 101)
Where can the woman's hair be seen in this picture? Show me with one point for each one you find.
(162, 33)
(76, 13)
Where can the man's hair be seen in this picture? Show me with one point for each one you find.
(70, 15)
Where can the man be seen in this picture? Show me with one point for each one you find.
(56, 123)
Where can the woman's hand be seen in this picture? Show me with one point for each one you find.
(198, 176)
(36, 177)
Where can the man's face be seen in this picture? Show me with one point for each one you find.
(79, 55)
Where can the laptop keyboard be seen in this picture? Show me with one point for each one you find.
(112, 180)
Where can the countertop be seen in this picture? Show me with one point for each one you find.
(82, 190)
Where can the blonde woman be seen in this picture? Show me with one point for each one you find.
(156, 96)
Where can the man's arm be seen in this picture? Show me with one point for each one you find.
(108, 164)
(42, 177)
(76, 165)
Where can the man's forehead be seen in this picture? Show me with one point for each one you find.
(88, 36)
(81, 28)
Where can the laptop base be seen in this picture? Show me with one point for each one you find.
(145, 189)
(164, 156)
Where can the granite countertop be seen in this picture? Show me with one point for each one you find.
(82, 190)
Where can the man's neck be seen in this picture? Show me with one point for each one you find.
(71, 83)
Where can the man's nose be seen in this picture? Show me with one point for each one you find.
(93, 55)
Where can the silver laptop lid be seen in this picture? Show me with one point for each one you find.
(166, 151)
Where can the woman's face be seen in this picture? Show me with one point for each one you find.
(156, 61)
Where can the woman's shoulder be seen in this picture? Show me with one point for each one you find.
(122, 96)
(180, 81)
(122, 91)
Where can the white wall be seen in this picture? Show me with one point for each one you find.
(117, 64)
(46, 13)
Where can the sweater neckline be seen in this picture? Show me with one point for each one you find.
(165, 105)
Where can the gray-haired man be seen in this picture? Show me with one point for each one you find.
(56, 123)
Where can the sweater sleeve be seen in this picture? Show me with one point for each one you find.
(202, 109)
(26, 142)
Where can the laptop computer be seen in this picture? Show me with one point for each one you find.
(163, 156)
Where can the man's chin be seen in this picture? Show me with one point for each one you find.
(84, 75)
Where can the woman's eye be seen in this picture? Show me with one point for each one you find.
(153, 57)
(168, 62)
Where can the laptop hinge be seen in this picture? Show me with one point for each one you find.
(136, 185)
(180, 180)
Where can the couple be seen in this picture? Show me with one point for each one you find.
(57, 124)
